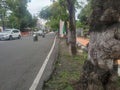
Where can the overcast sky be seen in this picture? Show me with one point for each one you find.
(36, 5)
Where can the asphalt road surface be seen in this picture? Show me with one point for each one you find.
(21, 60)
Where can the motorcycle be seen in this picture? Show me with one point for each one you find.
(35, 37)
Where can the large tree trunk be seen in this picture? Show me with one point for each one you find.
(99, 71)
(71, 9)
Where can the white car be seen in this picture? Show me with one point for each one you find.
(10, 34)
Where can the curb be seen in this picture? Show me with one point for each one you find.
(52, 67)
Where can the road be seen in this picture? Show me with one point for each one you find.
(21, 60)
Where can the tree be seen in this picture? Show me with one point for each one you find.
(59, 11)
(19, 17)
(53, 14)
(99, 72)
(70, 6)
(71, 9)
(46, 13)
(85, 12)
(3, 10)
(84, 15)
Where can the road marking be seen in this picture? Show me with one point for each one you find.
(39, 75)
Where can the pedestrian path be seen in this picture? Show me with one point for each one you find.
(85, 41)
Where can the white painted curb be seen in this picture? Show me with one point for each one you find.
(40, 73)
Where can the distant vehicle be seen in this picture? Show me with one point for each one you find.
(10, 34)
(41, 33)
(51, 32)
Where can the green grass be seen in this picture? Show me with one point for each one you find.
(63, 78)
(67, 71)
(81, 58)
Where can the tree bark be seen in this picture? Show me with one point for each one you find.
(99, 71)
(71, 9)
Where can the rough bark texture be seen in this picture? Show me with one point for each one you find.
(71, 9)
(104, 47)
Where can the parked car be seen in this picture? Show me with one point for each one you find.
(10, 34)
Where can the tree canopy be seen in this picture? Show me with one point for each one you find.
(17, 14)
(53, 14)
(84, 15)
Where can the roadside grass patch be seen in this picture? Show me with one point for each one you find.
(67, 69)
(81, 57)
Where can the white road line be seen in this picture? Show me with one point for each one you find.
(39, 75)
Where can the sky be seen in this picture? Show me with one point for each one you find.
(36, 5)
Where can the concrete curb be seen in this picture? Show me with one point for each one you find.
(52, 64)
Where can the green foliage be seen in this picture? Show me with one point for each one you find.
(67, 70)
(19, 16)
(58, 10)
(85, 14)
(45, 13)
(54, 24)
(79, 24)
(86, 11)
(13, 21)
(82, 25)
(53, 14)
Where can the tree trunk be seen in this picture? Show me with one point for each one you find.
(99, 72)
(71, 9)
